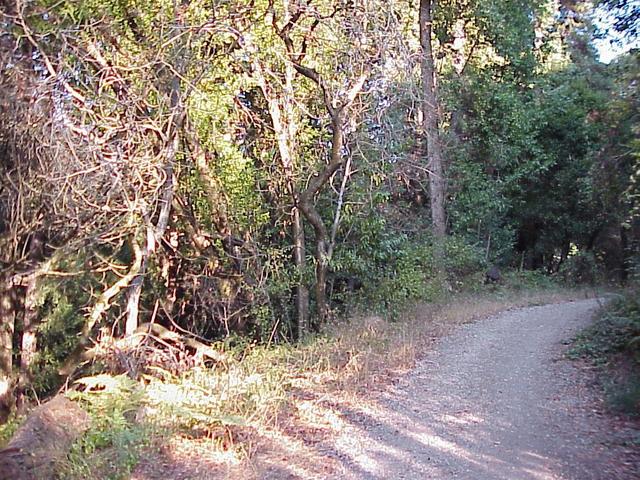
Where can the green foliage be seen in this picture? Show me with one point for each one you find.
(529, 280)
(406, 281)
(509, 27)
(8, 428)
(461, 258)
(617, 330)
(61, 304)
(625, 396)
(112, 445)
(527, 146)
(613, 342)
(581, 268)
(478, 210)
(408, 273)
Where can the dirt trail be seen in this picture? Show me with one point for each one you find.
(495, 400)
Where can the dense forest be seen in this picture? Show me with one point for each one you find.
(252, 169)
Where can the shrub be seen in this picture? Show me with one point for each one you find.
(112, 445)
(410, 274)
(528, 279)
(462, 259)
(580, 269)
(614, 341)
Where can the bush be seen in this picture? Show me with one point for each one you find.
(614, 341)
(409, 274)
(112, 445)
(462, 259)
(627, 310)
(580, 269)
(406, 278)
(62, 304)
(528, 279)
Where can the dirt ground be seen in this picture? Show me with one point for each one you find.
(496, 399)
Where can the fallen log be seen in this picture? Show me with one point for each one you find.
(43, 440)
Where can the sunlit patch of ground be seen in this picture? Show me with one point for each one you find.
(311, 437)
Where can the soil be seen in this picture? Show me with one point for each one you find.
(496, 399)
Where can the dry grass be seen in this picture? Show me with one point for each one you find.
(280, 399)
(361, 351)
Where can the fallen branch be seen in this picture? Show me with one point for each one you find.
(129, 347)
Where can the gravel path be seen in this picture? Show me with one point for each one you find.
(495, 400)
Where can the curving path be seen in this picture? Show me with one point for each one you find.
(495, 400)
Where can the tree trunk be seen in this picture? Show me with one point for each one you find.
(285, 129)
(302, 292)
(29, 344)
(155, 233)
(626, 255)
(564, 254)
(7, 324)
(322, 266)
(338, 114)
(135, 289)
(323, 249)
(430, 114)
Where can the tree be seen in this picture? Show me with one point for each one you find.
(431, 127)
(297, 30)
(285, 120)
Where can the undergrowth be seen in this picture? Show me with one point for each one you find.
(613, 344)
(256, 384)
(111, 447)
(8, 428)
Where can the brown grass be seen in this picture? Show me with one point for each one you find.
(288, 395)
(366, 349)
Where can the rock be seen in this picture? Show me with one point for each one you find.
(493, 275)
(43, 440)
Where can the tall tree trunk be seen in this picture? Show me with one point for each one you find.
(135, 289)
(302, 292)
(306, 199)
(8, 306)
(338, 112)
(430, 114)
(285, 129)
(30, 320)
(299, 242)
(323, 248)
